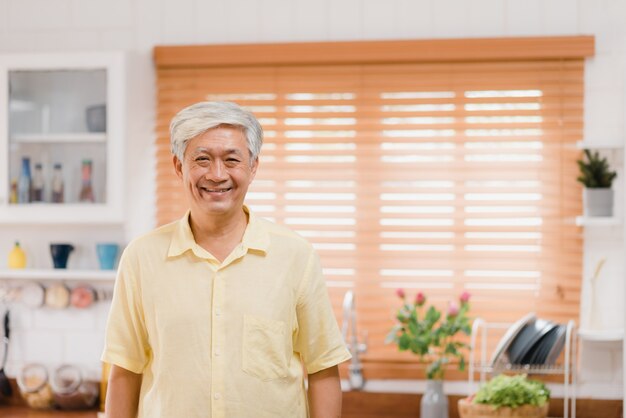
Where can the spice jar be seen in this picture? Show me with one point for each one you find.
(71, 390)
(34, 387)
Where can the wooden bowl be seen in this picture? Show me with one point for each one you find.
(471, 410)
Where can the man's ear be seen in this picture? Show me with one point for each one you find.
(254, 166)
(178, 166)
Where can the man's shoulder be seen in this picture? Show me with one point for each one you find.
(282, 234)
(157, 239)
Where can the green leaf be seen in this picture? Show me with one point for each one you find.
(393, 334)
(404, 342)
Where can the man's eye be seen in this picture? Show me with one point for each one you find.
(202, 159)
(232, 160)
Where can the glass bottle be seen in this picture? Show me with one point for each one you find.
(37, 188)
(13, 195)
(86, 191)
(24, 182)
(57, 184)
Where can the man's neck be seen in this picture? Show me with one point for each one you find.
(219, 235)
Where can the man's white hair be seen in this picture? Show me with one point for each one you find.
(200, 117)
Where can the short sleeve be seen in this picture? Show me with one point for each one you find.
(126, 342)
(318, 339)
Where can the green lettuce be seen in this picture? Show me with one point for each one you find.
(512, 391)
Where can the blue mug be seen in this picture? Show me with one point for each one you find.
(107, 255)
(60, 253)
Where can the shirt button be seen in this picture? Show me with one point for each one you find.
(217, 396)
(218, 311)
(217, 352)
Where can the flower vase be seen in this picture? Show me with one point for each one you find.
(434, 402)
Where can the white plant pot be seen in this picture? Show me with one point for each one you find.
(598, 202)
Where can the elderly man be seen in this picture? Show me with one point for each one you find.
(221, 313)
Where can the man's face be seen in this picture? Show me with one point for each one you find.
(216, 171)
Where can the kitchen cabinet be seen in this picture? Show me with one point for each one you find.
(62, 115)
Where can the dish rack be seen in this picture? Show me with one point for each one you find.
(566, 367)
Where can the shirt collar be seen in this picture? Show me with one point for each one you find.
(255, 237)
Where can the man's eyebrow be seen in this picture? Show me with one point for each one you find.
(233, 151)
(202, 150)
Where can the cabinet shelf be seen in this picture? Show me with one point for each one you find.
(57, 138)
(599, 145)
(601, 336)
(598, 221)
(59, 274)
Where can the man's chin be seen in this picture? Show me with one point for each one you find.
(217, 208)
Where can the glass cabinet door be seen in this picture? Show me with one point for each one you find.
(57, 136)
(61, 137)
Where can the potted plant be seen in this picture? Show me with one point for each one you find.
(597, 178)
(432, 335)
(507, 396)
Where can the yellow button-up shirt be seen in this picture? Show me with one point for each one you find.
(222, 340)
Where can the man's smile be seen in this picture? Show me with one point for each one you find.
(215, 190)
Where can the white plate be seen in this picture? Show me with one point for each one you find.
(508, 338)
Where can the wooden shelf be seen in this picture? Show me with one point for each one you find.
(59, 274)
(81, 137)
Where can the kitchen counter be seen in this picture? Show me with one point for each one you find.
(25, 412)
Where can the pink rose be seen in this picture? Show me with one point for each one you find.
(420, 299)
(453, 309)
(400, 293)
(465, 297)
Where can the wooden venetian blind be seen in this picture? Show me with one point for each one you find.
(439, 174)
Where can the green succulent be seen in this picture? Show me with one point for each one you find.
(595, 172)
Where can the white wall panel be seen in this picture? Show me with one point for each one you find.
(604, 110)
(414, 19)
(486, 18)
(378, 19)
(276, 20)
(178, 21)
(97, 14)
(344, 20)
(555, 22)
(450, 18)
(243, 21)
(212, 21)
(83, 347)
(48, 41)
(117, 39)
(523, 17)
(69, 319)
(311, 20)
(39, 15)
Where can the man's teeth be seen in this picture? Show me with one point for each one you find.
(216, 190)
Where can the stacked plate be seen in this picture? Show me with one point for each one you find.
(530, 341)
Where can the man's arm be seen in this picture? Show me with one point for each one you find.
(122, 393)
(325, 393)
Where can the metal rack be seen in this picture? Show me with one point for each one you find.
(567, 368)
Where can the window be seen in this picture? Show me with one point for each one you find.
(436, 175)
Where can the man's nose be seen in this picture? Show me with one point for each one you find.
(216, 171)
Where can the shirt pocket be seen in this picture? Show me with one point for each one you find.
(265, 348)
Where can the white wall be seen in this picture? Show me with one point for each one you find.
(136, 26)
